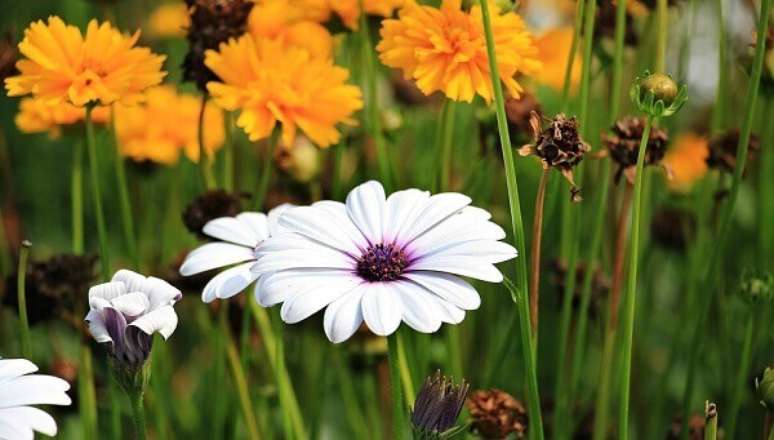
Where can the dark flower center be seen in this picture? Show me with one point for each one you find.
(382, 262)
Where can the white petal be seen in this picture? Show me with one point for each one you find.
(401, 211)
(278, 287)
(486, 250)
(32, 419)
(319, 226)
(10, 429)
(96, 321)
(234, 230)
(316, 297)
(338, 211)
(34, 389)
(229, 282)
(214, 255)
(449, 287)
(450, 313)
(382, 309)
(455, 229)
(439, 207)
(291, 241)
(133, 281)
(12, 368)
(479, 213)
(107, 291)
(365, 206)
(464, 266)
(131, 304)
(300, 258)
(161, 293)
(274, 216)
(344, 316)
(162, 320)
(419, 307)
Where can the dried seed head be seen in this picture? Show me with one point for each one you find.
(722, 154)
(519, 112)
(623, 143)
(696, 425)
(662, 86)
(496, 414)
(212, 22)
(8, 56)
(438, 405)
(209, 206)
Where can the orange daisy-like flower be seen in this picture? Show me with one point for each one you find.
(553, 48)
(294, 23)
(169, 21)
(686, 161)
(62, 65)
(36, 116)
(349, 10)
(166, 124)
(445, 49)
(270, 83)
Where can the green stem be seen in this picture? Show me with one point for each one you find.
(585, 85)
(711, 423)
(91, 147)
(455, 352)
(629, 301)
(115, 408)
(266, 172)
(204, 162)
(21, 283)
(138, 413)
(240, 381)
(76, 198)
(405, 371)
(519, 291)
(662, 12)
(445, 153)
(354, 412)
(579, 13)
(718, 113)
(741, 377)
(618, 59)
(228, 154)
(123, 195)
(337, 185)
(537, 235)
(86, 394)
(399, 423)
(766, 180)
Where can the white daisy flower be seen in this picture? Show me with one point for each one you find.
(18, 390)
(381, 260)
(240, 238)
(128, 310)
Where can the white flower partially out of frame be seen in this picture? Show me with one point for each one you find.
(240, 237)
(380, 260)
(18, 390)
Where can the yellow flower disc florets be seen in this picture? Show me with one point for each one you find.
(272, 83)
(445, 49)
(62, 65)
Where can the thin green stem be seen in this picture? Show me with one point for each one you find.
(537, 235)
(766, 180)
(138, 414)
(455, 351)
(240, 381)
(204, 161)
(405, 371)
(711, 423)
(718, 113)
(86, 393)
(115, 408)
(618, 59)
(354, 412)
(741, 377)
(91, 147)
(123, 195)
(588, 47)
(519, 291)
(21, 284)
(579, 14)
(447, 138)
(228, 153)
(662, 15)
(399, 423)
(266, 172)
(629, 301)
(76, 198)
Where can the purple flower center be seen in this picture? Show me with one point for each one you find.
(382, 262)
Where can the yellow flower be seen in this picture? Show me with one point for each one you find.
(349, 10)
(165, 124)
(686, 161)
(36, 116)
(61, 65)
(445, 49)
(295, 23)
(271, 83)
(169, 20)
(554, 48)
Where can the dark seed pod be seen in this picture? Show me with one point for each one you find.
(209, 206)
(722, 152)
(623, 143)
(496, 414)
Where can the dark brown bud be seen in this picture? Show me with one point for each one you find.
(722, 154)
(209, 206)
(212, 22)
(496, 414)
(623, 143)
(8, 56)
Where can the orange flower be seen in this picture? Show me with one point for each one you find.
(445, 49)
(165, 124)
(36, 116)
(349, 10)
(554, 48)
(295, 23)
(271, 83)
(686, 161)
(61, 65)
(169, 20)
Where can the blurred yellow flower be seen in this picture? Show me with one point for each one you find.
(686, 161)
(294, 23)
(445, 49)
(349, 10)
(553, 50)
(169, 20)
(271, 83)
(36, 116)
(61, 65)
(165, 124)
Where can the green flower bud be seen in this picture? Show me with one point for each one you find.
(662, 86)
(765, 387)
(657, 95)
(757, 287)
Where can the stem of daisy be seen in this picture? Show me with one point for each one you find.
(228, 154)
(630, 299)
(138, 412)
(405, 371)
(519, 291)
(86, 393)
(579, 13)
(537, 235)
(240, 381)
(123, 195)
(373, 122)
(662, 13)
(204, 163)
(91, 146)
(266, 171)
(728, 209)
(76, 198)
(446, 143)
(739, 385)
(21, 283)
(398, 409)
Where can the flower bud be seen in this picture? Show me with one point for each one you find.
(662, 86)
(437, 407)
(765, 387)
(757, 287)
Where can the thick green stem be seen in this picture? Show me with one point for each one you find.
(86, 394)
(76, 198)
(519, 291)
(266, 172)
(446, 143)
(399, 423)
(741, 377)
(21, 283)
(123, 195)
(405, 371)
(579, 13)
(91, 147)
(204, 161)
(240, 381)
(138, 413)
(630, 299)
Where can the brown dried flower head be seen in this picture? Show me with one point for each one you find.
(8, 56)
(519, 113)
(212, 22)
(559, 145)
(623, 143)
(722, 154)
(209, 206)
(496, 414)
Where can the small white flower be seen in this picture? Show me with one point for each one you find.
(18, 390)
(127, 311)
(381, 260)
(241, 237)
